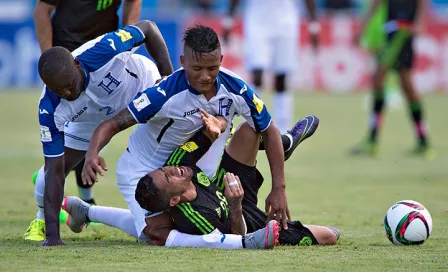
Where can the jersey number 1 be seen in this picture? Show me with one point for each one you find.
(164, 129)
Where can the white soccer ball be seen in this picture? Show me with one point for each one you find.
(408, 222)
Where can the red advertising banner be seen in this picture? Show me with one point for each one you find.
(339, 65)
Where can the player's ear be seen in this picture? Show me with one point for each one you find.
(77, 64)
(182, 60)
(220, 61)
(174, 201)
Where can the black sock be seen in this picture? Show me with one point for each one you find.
(419, 124)
(376, 115)
(286, 141)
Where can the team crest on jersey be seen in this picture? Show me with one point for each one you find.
(124, 35)
(190, 146)
(141, 102)
(203, 179)
(225, 105)
(45, 134)
(258, 103)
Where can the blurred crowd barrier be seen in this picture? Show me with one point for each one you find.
(338, 66)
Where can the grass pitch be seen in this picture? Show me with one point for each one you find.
(325, 186)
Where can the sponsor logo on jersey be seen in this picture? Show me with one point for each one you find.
(225, 106)
(124, 35)
(190, 146)
(203, 179)
(188, 113)
(162, 91)
(306, 241)
(258, 103)
(45, 134)
(218, 212)
(79, 114)
(112, 44)
(141, 102)
(43, 111)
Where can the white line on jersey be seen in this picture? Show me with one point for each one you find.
(112, 44)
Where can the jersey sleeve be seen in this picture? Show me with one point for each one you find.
(189, 220)
(254, 110)
(96, 53)
(191, 152)
(147, 103)
(51, 131)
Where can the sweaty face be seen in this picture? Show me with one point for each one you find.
(202, 69)
(67, 83)
(172, 180)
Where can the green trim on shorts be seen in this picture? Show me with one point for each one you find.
(392, 51)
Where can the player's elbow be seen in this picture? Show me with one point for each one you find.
(42, 11)
(148, 27)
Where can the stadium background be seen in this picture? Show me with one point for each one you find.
(324, 185)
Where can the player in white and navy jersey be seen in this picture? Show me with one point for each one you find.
(271, 31)
(169, 115)
(83, 89)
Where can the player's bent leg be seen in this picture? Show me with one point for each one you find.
(306, 235)
(324, 235)
(85, 190)
(243, 146)
(301, 131)
(78, 211)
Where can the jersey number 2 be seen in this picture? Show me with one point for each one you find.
(108, 110)
(164, 129)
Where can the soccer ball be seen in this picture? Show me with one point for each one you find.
(407, 222)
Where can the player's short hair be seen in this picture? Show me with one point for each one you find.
(54, 60)
(201, 39)
(149, 197)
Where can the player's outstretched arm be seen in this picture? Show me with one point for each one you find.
(131, 11)
(103, 134)
(276, 203)
(53, 194)
(156, 46)
(42, 22)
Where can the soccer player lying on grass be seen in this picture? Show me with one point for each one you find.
(210, 208)
(84, 88)
(198, 205)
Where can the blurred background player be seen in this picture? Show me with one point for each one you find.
(74, 23)
(271, 32)
(403, 22)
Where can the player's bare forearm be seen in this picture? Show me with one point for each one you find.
(43, 27)
(53, 194)
(158, 228)
(156, 46)
(131, 11)
(275, 154)
(311, 6)
(104, 132)
(422, 8)
(237, 225)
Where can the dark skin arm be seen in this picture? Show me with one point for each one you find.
(131, 11)
(276, 203)
(53, 195)
(43, 27)
(101, 137)
(156, 46)
(158, 228)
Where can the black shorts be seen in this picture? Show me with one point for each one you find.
(251, 181)
(398, 52)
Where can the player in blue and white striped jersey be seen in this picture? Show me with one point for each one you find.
(169, 115)
(83, 89)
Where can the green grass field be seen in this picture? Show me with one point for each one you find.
(325, 186)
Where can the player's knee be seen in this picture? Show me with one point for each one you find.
(328, 236)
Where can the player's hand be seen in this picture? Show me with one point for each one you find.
(53, 242)
(94, 164)
(277, 207)
(233, 190)
(213, 125)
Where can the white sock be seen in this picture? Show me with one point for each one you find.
(282, 110)
(85, 194)
(114, 217)
(39, 190)
(213, 240)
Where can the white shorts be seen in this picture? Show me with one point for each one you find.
(129, 171)
(271, 49)
(77, 135)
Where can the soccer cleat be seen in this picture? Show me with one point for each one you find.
(36, 231)
(265, 238)
(78, 213)
(366, 148)
(302, 130)
(35, 176)
(63, 216)
(425, 151)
